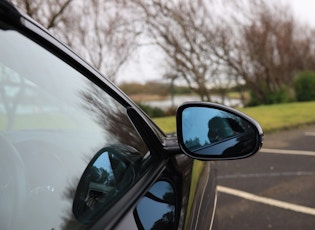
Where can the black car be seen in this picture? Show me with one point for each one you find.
(76, 152)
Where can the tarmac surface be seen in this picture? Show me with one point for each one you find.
(275, 189)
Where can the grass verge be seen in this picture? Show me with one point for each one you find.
(272, 118)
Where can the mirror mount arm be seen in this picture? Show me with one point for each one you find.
(144, 130)
(171, 146)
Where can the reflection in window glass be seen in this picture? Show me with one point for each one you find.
(157, 209)
(108, 176)
(52, 121)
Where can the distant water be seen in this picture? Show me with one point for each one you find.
(178, 100)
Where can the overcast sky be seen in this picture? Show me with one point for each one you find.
(145, 69)
(304, 10)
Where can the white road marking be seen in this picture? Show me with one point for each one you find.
(268, 201)
(283, 151)
(309, 133)
(268, 174)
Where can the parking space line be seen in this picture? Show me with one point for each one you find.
(268, 201)
(283, 151)
(267, 174)
(309, 133)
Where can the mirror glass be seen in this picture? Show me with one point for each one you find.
(215, 132)
(156, 210)
(106, 178)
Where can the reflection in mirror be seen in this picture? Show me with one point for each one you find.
(102, 178)
(156, 210)
(211, 131)
(105, 179)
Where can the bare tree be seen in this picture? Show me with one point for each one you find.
(105, 33)
(183, 30)
(211, 43)
(268, 47)
(98, 30)
(48, 13)
(207, 43)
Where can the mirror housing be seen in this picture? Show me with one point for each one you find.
(209, 131)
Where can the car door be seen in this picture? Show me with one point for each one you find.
(71, 154)
(77, 153)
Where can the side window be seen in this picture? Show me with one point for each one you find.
(70, 148)
(156, 210)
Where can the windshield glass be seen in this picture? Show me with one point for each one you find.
(53, 121)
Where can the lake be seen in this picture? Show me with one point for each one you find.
(178, 100)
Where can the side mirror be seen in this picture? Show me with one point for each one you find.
(209, 131)
(107, 177)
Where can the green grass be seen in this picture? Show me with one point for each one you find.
(167, 124)
(271, 117)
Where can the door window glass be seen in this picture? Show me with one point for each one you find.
(53, 124)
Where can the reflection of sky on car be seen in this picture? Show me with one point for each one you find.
(195, 123)
(149, 217)
(33, 104)
(160, 188)
(48, 69)
(103, 162)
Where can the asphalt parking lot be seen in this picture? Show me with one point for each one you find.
(274, 189)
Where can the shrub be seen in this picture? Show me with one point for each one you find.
(151, 111)
(171, 111)
(304, 86)
(283, 95)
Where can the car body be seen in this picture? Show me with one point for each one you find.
(76, 152)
